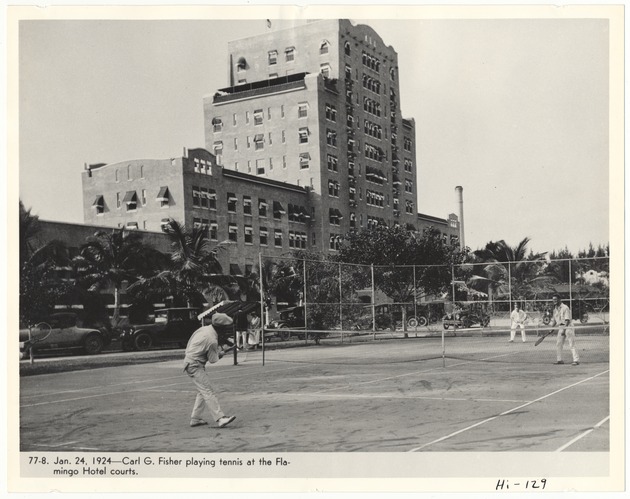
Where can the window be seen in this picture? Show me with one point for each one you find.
(258, 117)
(331, 113)
(335, 242)
(277, 238)
(346, 48)
(331, 138)
(117, 179)
(353, 220)
(162, 197)
(270, 141)
(129, 172)
(212, 199)
(303, 135)
(247, 117)
(278, 210)
(333, 188)
(324, 69)
(131, 200)
(247, 205)
(260, 167)
(141, 171)
(407, 144)
(284, 137)
(264, 234)
(196, 197)
(214, 230)
(143, 197)
(332, 162)
(289, 54)
(302, 110)
(409, 186)
(241, 65)
(259, 142)
(249, 234)
(99, 205)
(272, 57)
(262, 208)
(304, 160)
(334, 216)
(284, 161)
(217, 125)
(233, 233)
(217, 148)
(282, 110)
(231, 202)
(323, 48)
(235, 144)
(234, 119)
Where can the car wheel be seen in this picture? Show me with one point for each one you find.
(422, 321)
(143, 341)
(93, 344)
(584, 318)
(285, 335)
(446, 326)
(546, 320)
(412, 322)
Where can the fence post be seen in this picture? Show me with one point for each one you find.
(340, 304)
(304, 302)
(510, 285)
(571, 288)
(373, 305)
(262, 307)
(415, 300)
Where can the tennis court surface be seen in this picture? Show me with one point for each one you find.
(469, 392)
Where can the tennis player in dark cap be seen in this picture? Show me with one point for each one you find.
(203, 347)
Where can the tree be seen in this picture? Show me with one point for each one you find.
(41, 288)
(191, 269)
(109, 259)
(404, 264)
(509, 269)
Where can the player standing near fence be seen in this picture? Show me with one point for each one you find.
(518, 316)
(203, 347)
(562, 320)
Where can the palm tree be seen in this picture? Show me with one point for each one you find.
(192, 269)
(508, 269)
(40, 285)
(109, 259)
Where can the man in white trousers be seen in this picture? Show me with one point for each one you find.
(203, 347)
(518, 317)
(562, 320)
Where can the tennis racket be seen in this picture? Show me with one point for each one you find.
(540, 340)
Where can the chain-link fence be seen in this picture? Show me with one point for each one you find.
(311, 299)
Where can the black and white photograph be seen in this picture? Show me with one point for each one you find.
(321, 248)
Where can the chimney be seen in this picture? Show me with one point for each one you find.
(459, 190)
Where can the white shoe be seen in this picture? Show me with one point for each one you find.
(197, 422)
(225, 420)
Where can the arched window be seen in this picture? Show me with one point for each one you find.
(323, 48)
(346, 48)
(241, 65)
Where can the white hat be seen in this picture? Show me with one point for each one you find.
(221, 320)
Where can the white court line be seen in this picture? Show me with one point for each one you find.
(505, 413)
(409, 397)
(132, 391)
(90, 388)
(579, 437)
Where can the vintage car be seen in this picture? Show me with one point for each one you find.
(171, 326)
(63, 331)
(289, 321)
(466, 318)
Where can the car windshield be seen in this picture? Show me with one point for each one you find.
(160, 317)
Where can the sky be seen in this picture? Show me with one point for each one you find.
(516, 111)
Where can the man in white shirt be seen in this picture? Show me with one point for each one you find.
(518, 316)
(562, 320)
(203, 347)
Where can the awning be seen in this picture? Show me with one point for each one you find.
(232, 198)
(262, 204)
(235, 269)
(163, 195)
(131, 225)
(335, 213)
(216, 121)
(259, 137)
(165, 221)
(232, 228)
(277, 208)
(99, 202)
(130, 197)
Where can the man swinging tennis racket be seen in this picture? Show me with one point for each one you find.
(203, 347)
(562, 320)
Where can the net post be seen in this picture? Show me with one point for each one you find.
(340, 304)
(443, 350)
(234, 328)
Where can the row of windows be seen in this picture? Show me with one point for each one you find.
(131, 201)
(371, 84)
(373, 130)
(373, 198)
(370, 61)
(296, 239)
(128, 173)
(372, 152)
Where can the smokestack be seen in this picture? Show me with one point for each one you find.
(459, 190)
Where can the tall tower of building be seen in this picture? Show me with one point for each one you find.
(318, 106)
